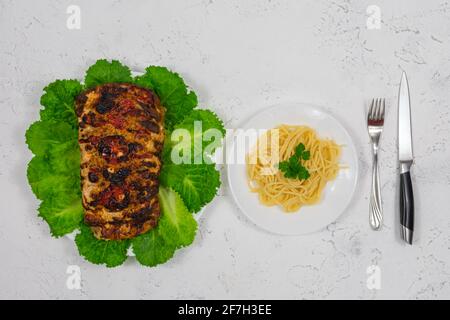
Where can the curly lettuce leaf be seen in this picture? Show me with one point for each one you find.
(208, 118)
(197, 184)
(176, 228)
(59, 101)
(174, 94)
(62, 213)
(43, 135)
(46, 183)
(65, 157)
(54, 171)
(104, 71)
(110, 253)
(199, 134)
(40, 178)
(59, 188)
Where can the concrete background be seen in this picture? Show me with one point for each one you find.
(240, 56)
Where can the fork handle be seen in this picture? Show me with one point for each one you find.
(376, 210)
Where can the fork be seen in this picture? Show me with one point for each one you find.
(375, 121)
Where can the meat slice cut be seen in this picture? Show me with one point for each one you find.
(121, 135)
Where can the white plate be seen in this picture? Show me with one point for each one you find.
(335, 197)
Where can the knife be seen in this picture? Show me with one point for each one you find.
(405, 158)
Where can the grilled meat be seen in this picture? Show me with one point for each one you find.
(121, 135)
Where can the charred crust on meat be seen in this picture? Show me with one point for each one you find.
(158, 145)
(113, 148)
(121, 137)
(146, 193)
(106, 102)
(93, 177)
(80, 100)
(119, 176)
(134, 147)
(150, 111)
(142, 215)
(149, 164)
(114, 198)
(150, 125)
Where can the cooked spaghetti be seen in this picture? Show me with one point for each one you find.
(279, 144)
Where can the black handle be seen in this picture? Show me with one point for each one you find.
(406, 207)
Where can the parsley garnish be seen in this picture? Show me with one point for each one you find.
(293, 168)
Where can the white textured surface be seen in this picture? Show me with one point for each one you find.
(240, 56)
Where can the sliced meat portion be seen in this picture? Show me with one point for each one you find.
(121, 135)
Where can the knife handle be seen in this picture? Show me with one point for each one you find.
(406, 207)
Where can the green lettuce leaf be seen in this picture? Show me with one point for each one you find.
(59, 101)
(43, 135)
(205, 132)
(47, 184)
(197, 184)
(176, 228)
(175, 96)
(65, 158)
(104, 71)
(63, 213)
(54, 171)
(110, 253)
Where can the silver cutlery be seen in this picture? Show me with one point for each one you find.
(375, 122)
(405, 158)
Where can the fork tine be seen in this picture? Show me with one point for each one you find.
(374, 111)
(370, 113)
(377, 110)
(381, 109)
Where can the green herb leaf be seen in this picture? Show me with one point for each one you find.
(303, 173)
(172, 91)
(110, 253)
(294, 163)
(291, 173)
(306, 155)
(176, 228)
(104, 71)
(299, 150)
(292, 168)
(197, 184)
(283, 166)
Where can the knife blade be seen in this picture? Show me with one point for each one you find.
(405, 157)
